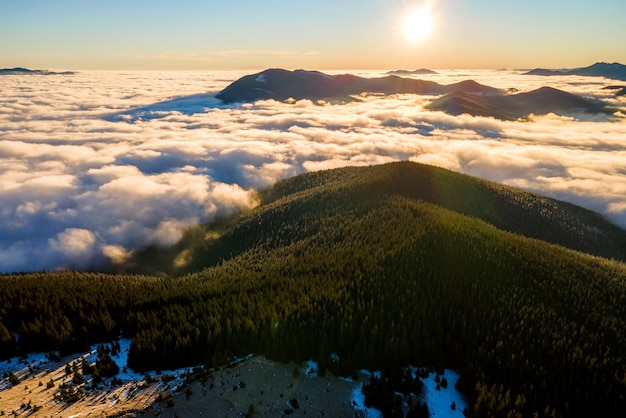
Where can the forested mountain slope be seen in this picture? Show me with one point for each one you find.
(384, 266)
(328, 193)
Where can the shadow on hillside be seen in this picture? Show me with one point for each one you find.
(186, 105)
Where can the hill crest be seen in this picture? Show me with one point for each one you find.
(541, 101)
(320, 193)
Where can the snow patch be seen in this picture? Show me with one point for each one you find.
(35, 362)
(311, 368)
(368, 373)
(261, 78)
(22, 364)
(439, 401)
(121, 359)
(358, 401)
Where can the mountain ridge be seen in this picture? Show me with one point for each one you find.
(613, 70)
(420, 71)
(541, 101)
(26, 71)
(466, 96)
(280, 84)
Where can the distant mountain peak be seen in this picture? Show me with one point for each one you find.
(612, 70)
(420, 71)
(541, 101)
(26, 71)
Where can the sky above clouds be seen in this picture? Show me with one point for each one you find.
(98, 164)
(321, 34)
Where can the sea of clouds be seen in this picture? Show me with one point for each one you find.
(96, 165)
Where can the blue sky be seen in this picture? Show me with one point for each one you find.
(324, 34)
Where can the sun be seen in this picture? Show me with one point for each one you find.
(418, 24)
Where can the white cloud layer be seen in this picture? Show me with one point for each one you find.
(96, 165)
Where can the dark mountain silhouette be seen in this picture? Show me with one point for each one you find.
(614, 70)
(510, 107)
(188, 105)
(26, 71)
(464, 97)
(279, 84)
(619, 90)
(458, 102)
(412, 72)
(544, 72)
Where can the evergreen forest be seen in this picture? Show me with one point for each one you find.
(375, 267)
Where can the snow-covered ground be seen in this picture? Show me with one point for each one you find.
(21, 366)
(311, 368)
(18, 364)
(36, 362)
(439, 401)
(358, 400)
(121, 359)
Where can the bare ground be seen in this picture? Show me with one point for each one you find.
(254, 387)
(32, 396)
(261, 388)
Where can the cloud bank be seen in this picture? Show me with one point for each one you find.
(99, 164)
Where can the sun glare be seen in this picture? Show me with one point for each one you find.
(418, 24)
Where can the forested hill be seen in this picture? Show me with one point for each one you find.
(504, 207)
(383, 266)
(318, 194)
